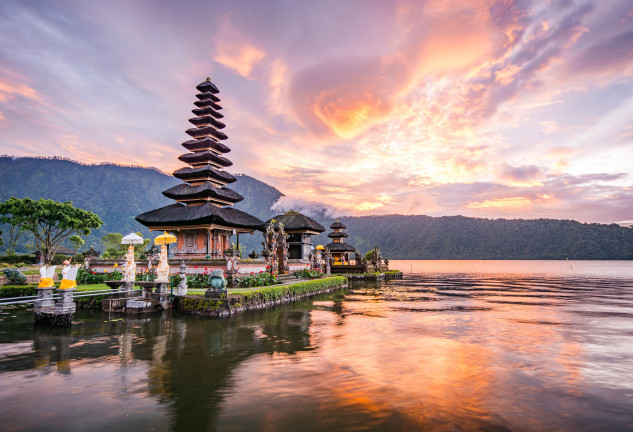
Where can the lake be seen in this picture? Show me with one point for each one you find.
(454, 345)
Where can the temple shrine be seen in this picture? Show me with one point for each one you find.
(203, 218)
(339, 250)
(300, 230)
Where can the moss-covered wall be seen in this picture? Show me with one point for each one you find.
(239, 301)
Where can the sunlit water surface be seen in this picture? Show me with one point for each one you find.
(455, 345)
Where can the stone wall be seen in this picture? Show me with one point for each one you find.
(256, 299)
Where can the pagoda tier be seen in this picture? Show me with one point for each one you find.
(204, 173)
(201, 219)
(334, 235)
(207, 111)
(206, 191)
(205, 157)
(204, 131)
(207, 120)
(178, 216)
(206, 144)
(208, 95)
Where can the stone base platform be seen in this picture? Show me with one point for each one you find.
(142, 306)
(54, 319)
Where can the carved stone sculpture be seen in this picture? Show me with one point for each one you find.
(16, 277)
(217, 284)
(130, 266)
(162, 271)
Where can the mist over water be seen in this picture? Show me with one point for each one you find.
(455, 345)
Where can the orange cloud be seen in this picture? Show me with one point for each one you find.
(502, 203)
(235, 51)
(10, 89)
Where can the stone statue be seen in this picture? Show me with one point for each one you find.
(69, 277)
(182, 286)
(358, 257)
(16, 277)
(283, 246)
(46, 276)
(162, 270)
(217, 284)
(130, 266)
(231, 260)
(327, 258)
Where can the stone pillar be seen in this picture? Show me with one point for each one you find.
(44, 303)
(64, 307)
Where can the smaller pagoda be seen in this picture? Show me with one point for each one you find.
(339, 250)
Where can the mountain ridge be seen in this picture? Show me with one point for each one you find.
(118, 193)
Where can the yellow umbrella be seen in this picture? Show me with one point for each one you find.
(320, 247)
(165, 238)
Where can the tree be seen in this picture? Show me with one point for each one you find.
(114, 248)
(49, 221)
(15, 226)
(77, 242)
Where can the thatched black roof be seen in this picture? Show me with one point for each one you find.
(204, 131)
(340, 247)
(208, 95)
(338, 235)
(298, 222)
(204, 172)
(337, 225)
(207, 120)
(204, 157)
(205, 143)
(207, 86)
(207, 103)
(176, 215)
(207, 111)
(204, 190)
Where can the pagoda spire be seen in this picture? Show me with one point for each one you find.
(205, 180)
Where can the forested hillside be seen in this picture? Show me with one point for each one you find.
(117, 194)
(458, 237)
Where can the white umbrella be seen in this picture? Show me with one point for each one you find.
(132, 238)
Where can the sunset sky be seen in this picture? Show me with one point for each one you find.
(488, 109)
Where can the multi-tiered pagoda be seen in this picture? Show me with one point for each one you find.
(202, 217)
(339, 250)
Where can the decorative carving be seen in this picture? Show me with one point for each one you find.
(217, 284)
(15, 276)
(232, 257)
(162, 271)
(130, 265)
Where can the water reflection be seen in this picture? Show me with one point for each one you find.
(458, 351)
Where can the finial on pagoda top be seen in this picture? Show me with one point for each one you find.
(208, 79)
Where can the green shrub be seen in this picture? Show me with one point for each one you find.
(88, 277)
(277, 292)
(308, 274)
(18, 258)
(59, 259)
(18, 290)
(257, 279)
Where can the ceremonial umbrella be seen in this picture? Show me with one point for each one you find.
(165, 239)
(131, 239)
(320, 247)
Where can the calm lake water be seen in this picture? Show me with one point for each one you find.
(455, 345)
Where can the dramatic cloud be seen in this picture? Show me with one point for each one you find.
(487, 108)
